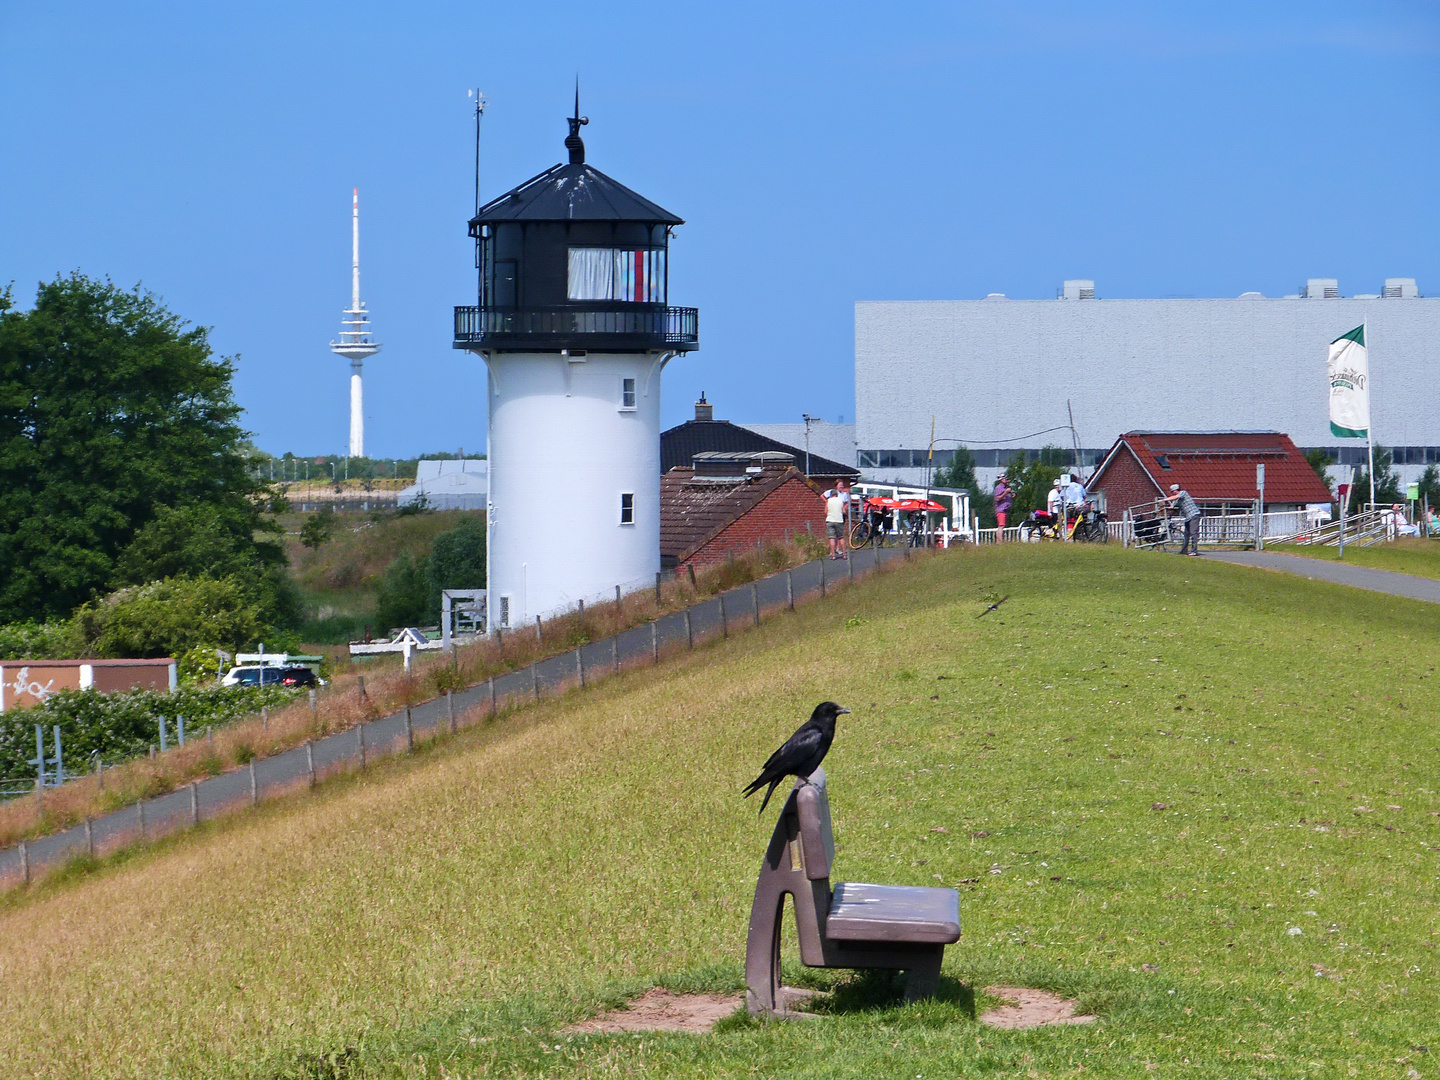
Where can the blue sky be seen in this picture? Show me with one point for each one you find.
(820, 153)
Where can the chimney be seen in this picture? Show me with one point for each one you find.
(703, 409)
(1079, 290)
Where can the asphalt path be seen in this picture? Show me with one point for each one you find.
(299, 768)
(1341, 573)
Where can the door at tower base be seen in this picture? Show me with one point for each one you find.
(574, 480)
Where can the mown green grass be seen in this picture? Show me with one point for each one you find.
(1408, 556)
(1170, 763)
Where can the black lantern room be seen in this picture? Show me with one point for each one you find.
(573, 260)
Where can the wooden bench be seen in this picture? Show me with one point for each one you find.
(900, 927)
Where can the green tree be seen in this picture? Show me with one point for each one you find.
(1032, 481)
(960, 475)
(1430, 486)
(1387, 482)
(318, 529)
(1319, 460)
(458, 559)
(406, 596)
(112, 409)
(171, 617)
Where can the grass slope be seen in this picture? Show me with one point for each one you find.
(1409, 556)
(1143, 773)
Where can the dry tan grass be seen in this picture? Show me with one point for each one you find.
(357, 697)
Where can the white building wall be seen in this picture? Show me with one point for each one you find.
(563, 448)
(997, 369)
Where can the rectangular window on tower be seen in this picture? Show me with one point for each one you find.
(627, 508)
(637, 277)
(627, 394)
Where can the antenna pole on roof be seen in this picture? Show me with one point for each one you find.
(479, 112)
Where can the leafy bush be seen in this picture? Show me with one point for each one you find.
(37, 641)
(171, 617)
(121, 725)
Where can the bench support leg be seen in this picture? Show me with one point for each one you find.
(762, 955)
(923, 979)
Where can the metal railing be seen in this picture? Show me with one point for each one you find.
(669, 325)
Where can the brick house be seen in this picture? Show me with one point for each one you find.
(727, 502)
(1216, 467)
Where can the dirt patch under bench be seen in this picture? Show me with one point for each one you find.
(1026, 1008)
(660, 1010)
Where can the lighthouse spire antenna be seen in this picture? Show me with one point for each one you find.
(573, 142)
(355, 249)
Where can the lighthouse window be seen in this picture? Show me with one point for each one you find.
(617, 274)
(627, 508)
(627, 393)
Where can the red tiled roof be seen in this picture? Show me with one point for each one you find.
(1220, 465)
(693, 511)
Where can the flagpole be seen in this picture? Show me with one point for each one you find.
(1369, 418)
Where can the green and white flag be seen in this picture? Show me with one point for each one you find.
(1349, 371)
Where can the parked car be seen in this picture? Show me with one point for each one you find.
(255, 675)
(299, 676)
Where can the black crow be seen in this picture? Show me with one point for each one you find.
(802, 753)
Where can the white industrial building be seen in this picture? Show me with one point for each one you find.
(1005, 375)
(449, 484)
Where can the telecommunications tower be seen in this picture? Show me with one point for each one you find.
(355, 343)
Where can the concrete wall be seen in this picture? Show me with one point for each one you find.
(998, 369)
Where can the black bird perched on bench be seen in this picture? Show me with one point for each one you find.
(802, 753)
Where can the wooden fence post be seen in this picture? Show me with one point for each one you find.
(822, 576)
(140, 816)
(89, 838)
(409, 732)
(724, 622)
(657, 588)
(535, 681)
(790, 589)
(538, 633)
(580, 668)
(614, 653)
(755, 601)
(689, 632)
(654, 644)
(254, 787)
(24, 862)
(490, 685)
(450, 710)
(312, 705)
(360, 738)
(194, 805)
(310, 760)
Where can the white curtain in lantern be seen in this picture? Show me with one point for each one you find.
(592, 274)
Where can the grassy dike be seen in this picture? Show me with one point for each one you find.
(1142, 772)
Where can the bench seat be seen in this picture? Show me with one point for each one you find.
(861, 912)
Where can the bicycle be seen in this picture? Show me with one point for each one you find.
(1040, 525)
(1091, 526)
(861, 535)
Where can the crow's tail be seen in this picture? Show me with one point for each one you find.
(773, 785)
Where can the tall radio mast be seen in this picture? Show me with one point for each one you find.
(355, 342)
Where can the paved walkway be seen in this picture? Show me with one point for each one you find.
(1360, 577)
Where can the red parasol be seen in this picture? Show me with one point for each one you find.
(922, 504)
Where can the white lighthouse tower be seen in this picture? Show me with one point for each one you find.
(355, 342)
(574, 325)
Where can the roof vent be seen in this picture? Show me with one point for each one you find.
(1321, 288)
(1078, 290)
(1252, 296)
(996, 296)
(1399, 288)
(703, 409)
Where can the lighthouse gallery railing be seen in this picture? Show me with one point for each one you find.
(672, 325)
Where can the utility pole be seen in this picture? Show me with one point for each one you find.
(808, 421)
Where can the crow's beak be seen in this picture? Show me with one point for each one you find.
(842, 711)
